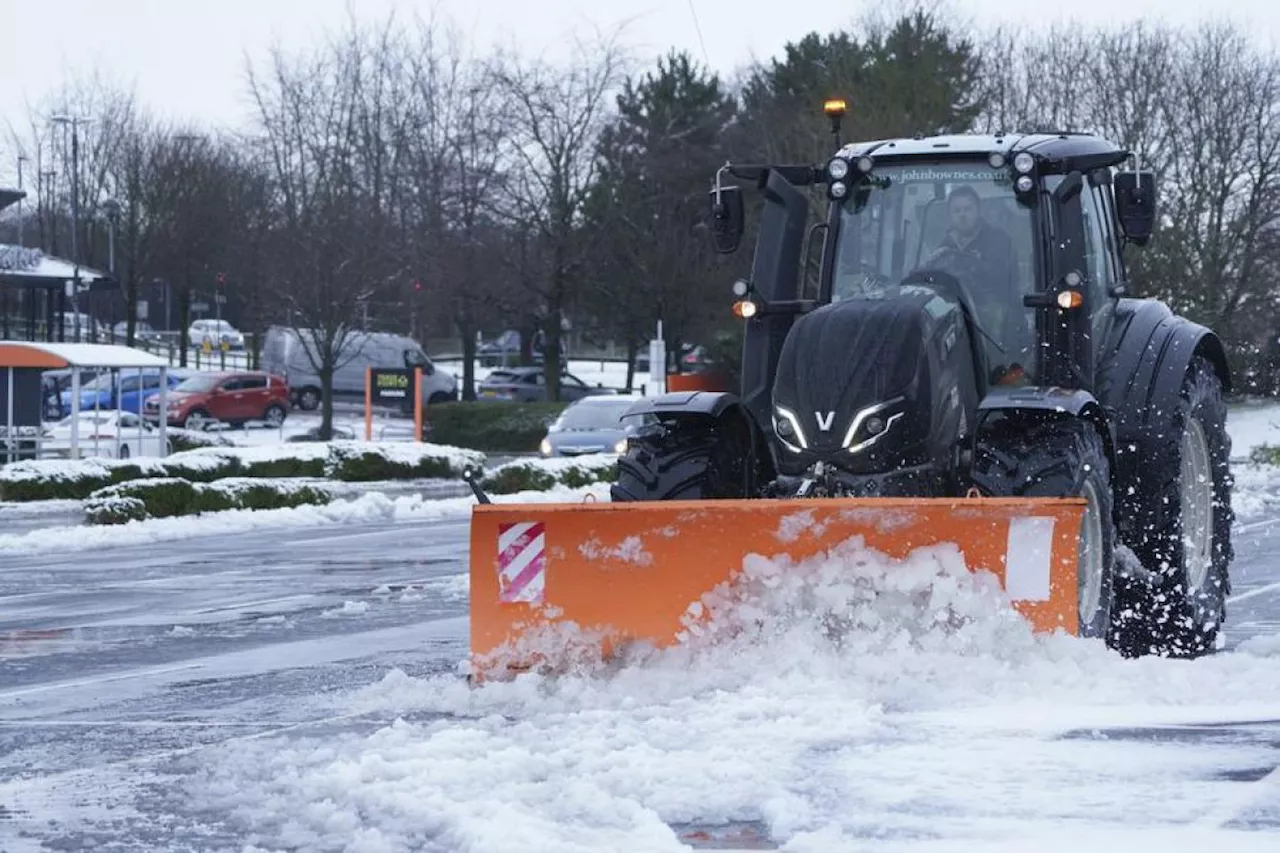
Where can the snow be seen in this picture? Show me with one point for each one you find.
(843, 699)
(367, 508)
(1251, 425)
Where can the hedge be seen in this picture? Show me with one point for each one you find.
(492, 427)
(349, 461)
(1265, 454)
(167, 497)
(542, 474)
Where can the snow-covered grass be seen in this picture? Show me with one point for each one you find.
(847, 702)
(371, 507)
(1252, 425)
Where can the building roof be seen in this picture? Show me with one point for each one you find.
(33, 268)
(50, 356)
(9, 196)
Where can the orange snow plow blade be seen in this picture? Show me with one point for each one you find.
(629, 572)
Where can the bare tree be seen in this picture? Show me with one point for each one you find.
(557, 115)
(325, 121)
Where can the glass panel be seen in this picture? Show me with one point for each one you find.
(958, 218)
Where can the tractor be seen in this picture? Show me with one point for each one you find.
(969, 333)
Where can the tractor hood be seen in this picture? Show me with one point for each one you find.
(874, 384)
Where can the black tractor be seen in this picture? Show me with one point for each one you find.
(969, 333)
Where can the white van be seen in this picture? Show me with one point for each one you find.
(283, 354)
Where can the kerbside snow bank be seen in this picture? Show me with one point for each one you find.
(372, 507)
(844, 701)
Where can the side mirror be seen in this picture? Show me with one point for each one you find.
(727, 219)
(1135, 194)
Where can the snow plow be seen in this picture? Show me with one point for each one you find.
(965, 369)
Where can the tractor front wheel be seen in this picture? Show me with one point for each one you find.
(1059, 459)
(687, 458)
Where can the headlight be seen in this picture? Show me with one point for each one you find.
(621, 447)
(1024, 184)
(545, 447)
(838, 168)
(787, 426)
(1023, 163)
(839, 189)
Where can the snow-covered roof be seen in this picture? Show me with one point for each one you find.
(24, 262)
(56, 356)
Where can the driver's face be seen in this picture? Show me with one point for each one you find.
(964, 215)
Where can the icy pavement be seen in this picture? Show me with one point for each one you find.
(292, 686)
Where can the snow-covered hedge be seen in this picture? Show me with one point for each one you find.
(166, 497)
(540, 474)
(351, 461)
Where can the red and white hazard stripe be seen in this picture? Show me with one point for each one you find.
(522, 562)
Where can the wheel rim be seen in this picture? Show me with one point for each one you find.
(1091, 557)
(1197, 505)
(195, 422)
(274, 416)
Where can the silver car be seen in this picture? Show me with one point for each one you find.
(591, 425)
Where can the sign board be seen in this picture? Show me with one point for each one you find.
(199, 306)
(142, 309)
(391, 385)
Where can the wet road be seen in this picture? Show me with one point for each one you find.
(117, 669)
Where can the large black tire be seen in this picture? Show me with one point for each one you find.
(1183, 613)
(1059, 459)
(687, 458)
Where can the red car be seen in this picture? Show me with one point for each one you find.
(234, 398)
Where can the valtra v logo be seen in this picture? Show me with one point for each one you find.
(824, 420)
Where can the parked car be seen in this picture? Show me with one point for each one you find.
(119, 435)
(142, 334)
(131, 389)
(90, 330)
(591, 425)
(234, 397)
(527, 385)
(285, 353)
(214, 333)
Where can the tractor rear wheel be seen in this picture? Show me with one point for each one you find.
(686, 458)
(1059, 459)
(1184, 535)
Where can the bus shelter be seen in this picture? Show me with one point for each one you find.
(22, 389)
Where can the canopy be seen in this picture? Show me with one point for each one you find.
(54, 356)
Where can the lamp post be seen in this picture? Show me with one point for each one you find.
(22, 158)
(74, 122)
(112, 208)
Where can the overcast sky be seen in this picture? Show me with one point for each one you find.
(186, 58)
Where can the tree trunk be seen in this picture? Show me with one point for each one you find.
(326, 399)
(467, 328)
(633, 349)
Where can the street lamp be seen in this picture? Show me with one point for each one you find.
(74, 122)
(112, 208)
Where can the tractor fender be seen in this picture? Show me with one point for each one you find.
(1146, 359)
(1060, 401)
(712, 407)
(1142, 371)
(685, 403)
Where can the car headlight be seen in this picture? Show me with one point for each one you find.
(545, 447)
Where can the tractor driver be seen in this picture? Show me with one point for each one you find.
(993, 270)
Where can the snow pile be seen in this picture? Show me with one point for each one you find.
(527, 474)
(370, 507)
(840, 700)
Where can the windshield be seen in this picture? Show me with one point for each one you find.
(595, 415)
(955, 218)
(197, 384)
